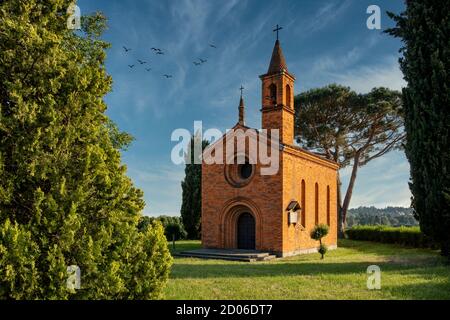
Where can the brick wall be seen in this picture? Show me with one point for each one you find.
(267, 197)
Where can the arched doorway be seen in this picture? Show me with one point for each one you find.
(246, 231)
(229, 217)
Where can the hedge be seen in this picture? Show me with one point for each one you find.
(407, 236)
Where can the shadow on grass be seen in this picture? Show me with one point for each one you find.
(184, 245)
(366, 247)
(245, 270)
(407, 273)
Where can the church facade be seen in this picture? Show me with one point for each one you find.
(245, 209)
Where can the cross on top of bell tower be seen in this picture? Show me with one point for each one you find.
(277, 95)
(277, 29)
(241, 108)
(277, 62)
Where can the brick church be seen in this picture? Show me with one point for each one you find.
(244, 209)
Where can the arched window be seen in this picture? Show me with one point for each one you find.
(288, 95)
(273, 93)
(328, 205)
(317, 203)
(303, 221)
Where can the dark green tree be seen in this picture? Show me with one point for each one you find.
(425, 31)
(165, 221)
(65, 198)
(175, 231)
(191, 206)
(351, 129)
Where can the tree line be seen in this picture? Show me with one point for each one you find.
(389, 216)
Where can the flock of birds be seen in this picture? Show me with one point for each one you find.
(158, 51)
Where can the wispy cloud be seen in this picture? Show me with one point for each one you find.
(364, 78)
(324, 16)
(355, 68)
(327, 14)
(162, 185)
(380, 183)
(328, 63)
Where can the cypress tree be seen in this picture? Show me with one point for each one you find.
(65, 198)
(191, 206)
(425, 30)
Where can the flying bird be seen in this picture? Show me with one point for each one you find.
(167, 76)
(212, 46)
(131, 66)
(126, 49)
(148, 69)
(142, 62)
(196, 63)
(157, 50)
(202, 61)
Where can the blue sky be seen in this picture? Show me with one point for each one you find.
(323, 41)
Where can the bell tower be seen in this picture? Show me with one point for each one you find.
(278, 96)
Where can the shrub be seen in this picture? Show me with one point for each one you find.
(65, 198)
(407, 236)
(172, 226)
(320, 231)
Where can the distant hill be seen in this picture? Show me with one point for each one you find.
(392, 216)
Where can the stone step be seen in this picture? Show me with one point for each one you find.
(218, 257)
(251, 254)
(227, 254)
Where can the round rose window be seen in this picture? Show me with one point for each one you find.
(239, 175)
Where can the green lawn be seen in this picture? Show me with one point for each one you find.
(405, 274)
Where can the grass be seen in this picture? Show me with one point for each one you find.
(405, 274)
